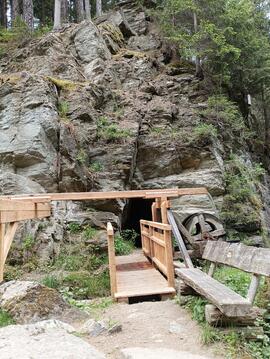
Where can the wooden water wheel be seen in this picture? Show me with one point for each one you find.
(199, 228)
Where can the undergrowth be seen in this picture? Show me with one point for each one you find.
(5, 319)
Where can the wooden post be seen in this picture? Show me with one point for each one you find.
(211, 269)
(112, 263)
(254, 285)
(164, 206)
(2, 251)
(169, 258)
(154, 212)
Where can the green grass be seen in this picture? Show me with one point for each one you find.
(110, 132)
(122, 247)
(5, 319)
(233, 278)
(82, 285)
(51, 281)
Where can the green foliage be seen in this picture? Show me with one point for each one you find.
(205, 131)
(74, 227)
(5, 319)
(63, 108)
(233, 278)
(28, 243)
(81, 156)
(62, 84)
(96, 167)
(110, 132)
(196, 305)
(129, 235)
(89, 232)
(122, 247)
(231, 39)
(242, 204)
(82, 285)
(51, 281)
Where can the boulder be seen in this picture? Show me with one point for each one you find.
(29, 302)
(44, 340)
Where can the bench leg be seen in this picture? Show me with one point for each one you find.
(214, 317)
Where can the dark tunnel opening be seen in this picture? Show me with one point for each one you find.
(135, 210)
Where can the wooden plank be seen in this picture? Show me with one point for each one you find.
(84, 196)
(10, 216)
(12, 205)
(112, 261)
(164, 207)
(9, 236)
(238, 255)
(160, 265)
(228, 302)
(180, 240)
(2, 251)
(158, 241)
(169, 258)
(156, 225)
(254, 285)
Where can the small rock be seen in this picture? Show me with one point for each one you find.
(96, 328)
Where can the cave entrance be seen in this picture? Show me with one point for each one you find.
(135, 210)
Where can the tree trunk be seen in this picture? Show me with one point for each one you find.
(28, 13)
(3, 13)
(80, 14)
(57, 14)
(87, 7)
(15, 10)
(198, 60)
(64, 11)
(267, 129)
(98, 7)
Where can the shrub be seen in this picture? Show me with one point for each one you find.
(205, 131)
(96, 167)
(89, 232)
(5, 319)
(110, 131)
(51, 281)
(122, 247)
(74, 227)
(63, 108)
(81, 156)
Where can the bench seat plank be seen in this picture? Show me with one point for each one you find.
(228, 302)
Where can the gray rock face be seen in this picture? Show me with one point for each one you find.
(29, 302)
(44, 340)
(101, 107)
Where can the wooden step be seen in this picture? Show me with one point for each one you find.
(228, 302)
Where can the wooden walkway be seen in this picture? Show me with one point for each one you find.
(146, 272)
(137, 277)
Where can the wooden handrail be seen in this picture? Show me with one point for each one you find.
(112, 262)
(159, 249)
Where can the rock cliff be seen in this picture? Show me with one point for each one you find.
(104, 106)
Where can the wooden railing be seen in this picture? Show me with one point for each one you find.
(157, 246)
(112, 262)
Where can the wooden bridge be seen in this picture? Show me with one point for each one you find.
(150, 272)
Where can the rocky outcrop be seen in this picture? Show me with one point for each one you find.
(29, 302)
(105, 106)
(44, 340)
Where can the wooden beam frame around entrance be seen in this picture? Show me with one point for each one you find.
(17, 208)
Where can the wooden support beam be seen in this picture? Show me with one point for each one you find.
(112, 262)
(85, 196)
(14, 211)
(254, 285)
(2, 251)
(169, 258)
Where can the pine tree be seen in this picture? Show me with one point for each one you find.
(98, 7)
(15, 10)
(28, 13)
(87, 6)
(3, 13)
(80, 14)
(57, 14)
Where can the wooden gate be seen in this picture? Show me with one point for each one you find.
(157, 246)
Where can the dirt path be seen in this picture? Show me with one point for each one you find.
(151, 325)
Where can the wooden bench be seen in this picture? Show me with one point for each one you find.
(249, 259)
